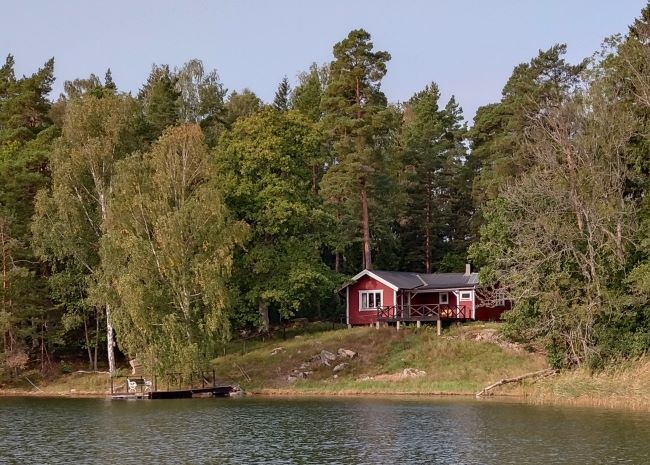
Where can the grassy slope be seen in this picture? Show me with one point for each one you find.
(454, 363)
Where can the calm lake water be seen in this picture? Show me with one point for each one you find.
(314, 431)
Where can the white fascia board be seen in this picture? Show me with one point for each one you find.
(374, 276)
(442, 289)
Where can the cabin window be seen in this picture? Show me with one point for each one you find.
(444, 298)
(370, 300)
(500, 297)
(466, 295)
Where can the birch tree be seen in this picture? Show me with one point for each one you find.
(168, 254)
(70, 219)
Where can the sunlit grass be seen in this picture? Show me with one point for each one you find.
(453, 362)
(623, 385)
(458, 362)
(72, 384)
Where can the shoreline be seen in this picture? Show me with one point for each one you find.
(391, 365)
(44, 394)
(526, 398)
(259, 393)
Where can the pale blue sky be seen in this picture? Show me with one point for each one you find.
(468, 47)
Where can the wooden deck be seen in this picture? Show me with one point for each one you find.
(424, 313)
(216, 391)
(139, 387)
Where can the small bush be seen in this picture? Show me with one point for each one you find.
(64, 367)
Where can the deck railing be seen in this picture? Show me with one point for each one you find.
(423, 312)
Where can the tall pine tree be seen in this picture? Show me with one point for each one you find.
(358, 122)
(281, 100)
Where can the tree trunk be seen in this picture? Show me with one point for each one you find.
(314, 178)
(6, 284)
(110, 344)
(427, 232)
(5, 266)
(264, 315)
(88, 348)
(96, 340)
(365, 224)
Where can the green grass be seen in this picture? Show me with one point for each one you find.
(462, 361)
(72, 384)
(454, 362)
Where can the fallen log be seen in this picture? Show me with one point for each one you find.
(517, 379)
(30, 382)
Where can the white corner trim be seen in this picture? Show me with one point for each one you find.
(347, 305)
(474, 305)
(394, 298)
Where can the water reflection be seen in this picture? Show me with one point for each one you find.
(304, 431)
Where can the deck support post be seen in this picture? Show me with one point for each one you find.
(377, 324)
(417, 324)
(439, 326)
(397, 325)
(349, 326)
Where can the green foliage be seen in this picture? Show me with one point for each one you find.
(159, 99)
(436, 181)
(281, 100)
(23, 102)
(558, 236)
(241, 105)
(307, 95)
(167, 254)
(264, 170)
(110, 201)
(26, 136)
(500, 132)
(359, 127)
(188, 94)
(70, 219)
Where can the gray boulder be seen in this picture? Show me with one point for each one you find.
(347, 353)
(339, 367)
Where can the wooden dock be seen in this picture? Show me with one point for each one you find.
(139, 387)
(215, 391)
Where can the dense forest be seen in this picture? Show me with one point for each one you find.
(157, 225)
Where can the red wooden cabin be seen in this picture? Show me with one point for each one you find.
(396, 296)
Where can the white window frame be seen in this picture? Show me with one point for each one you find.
(468, 293)
(500, 297)
(446, 296)
(370, 291)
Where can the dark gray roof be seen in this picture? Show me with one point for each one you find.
(422, 281)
